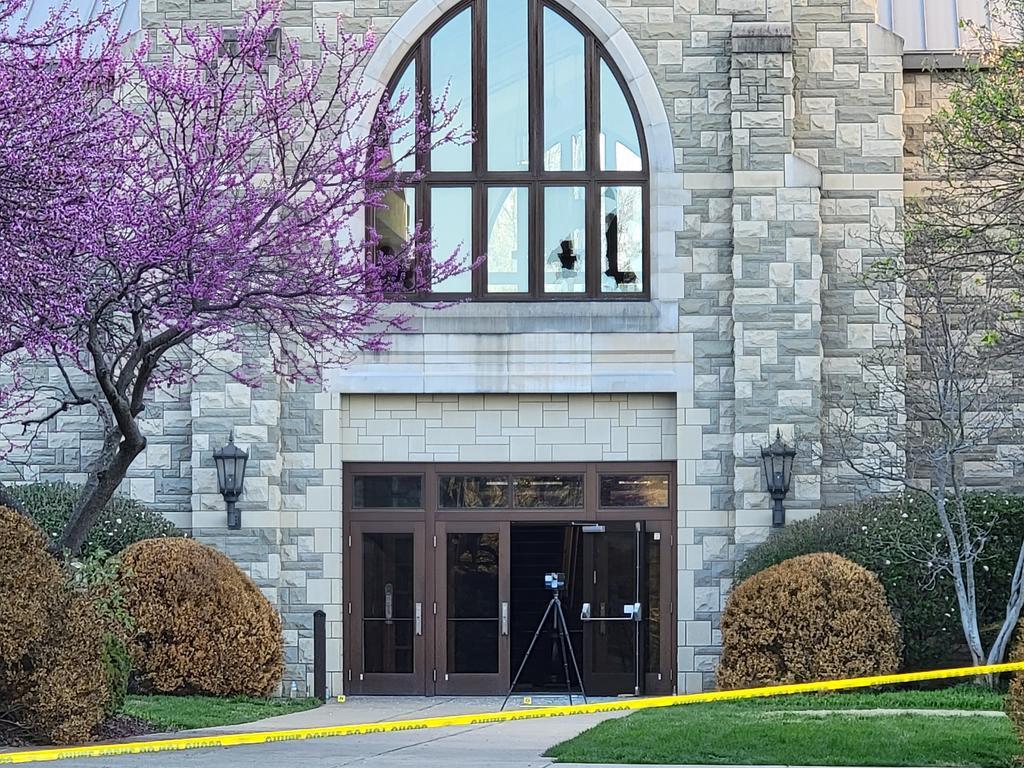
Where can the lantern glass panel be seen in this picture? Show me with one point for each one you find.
(239, 472)
(221, 479)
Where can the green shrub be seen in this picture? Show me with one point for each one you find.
(200, 625)
(98, 576)
(123, 522)
(118, 666)
(814, 617)
(52, 679)
(922, 599)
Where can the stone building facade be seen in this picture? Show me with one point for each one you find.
(775, 167)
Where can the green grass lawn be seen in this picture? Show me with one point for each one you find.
(185, 712)
(966, 697)
(782, 732)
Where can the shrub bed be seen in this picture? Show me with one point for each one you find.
(200, 625)
(813, 617)
(1015, 696)
(53, 683)
(923, 601)
(123, 522)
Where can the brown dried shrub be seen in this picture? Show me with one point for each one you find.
(52, 678)
(29, 578)
(815, 617)
(1015, 696)
(200, 625)
(67, 690)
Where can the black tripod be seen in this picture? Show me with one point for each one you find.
(564, 640)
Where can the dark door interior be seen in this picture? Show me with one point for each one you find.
(539, 549)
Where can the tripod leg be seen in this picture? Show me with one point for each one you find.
(562, 632)
(572, 654)
(526, 656)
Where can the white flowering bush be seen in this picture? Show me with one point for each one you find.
(124, 521)
(899, 538)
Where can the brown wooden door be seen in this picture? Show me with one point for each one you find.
(658, 637)
(614, 598)
(471, 573)
(390, 624)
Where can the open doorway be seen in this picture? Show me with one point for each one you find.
(536, 550)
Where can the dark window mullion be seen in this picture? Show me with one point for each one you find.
(424, 100)
(593, 209)
(536, 100)
(536, 86)
(428, 270)
(478, 76)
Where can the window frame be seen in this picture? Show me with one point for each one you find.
(535, 179)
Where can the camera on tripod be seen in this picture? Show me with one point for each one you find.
(554, 580)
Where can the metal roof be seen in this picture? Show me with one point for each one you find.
(129, 12)
(932, 25)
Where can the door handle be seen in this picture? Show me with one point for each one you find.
(504, 619)
(419, 618)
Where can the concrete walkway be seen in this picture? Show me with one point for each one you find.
(500, 745)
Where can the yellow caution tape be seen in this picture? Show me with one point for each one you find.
(362, 729)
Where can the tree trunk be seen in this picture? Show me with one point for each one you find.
(966, 600)
(1014, 606)
(105, 476)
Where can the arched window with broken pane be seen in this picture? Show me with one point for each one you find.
(553, 192)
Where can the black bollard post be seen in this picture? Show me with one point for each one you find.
(320, 655)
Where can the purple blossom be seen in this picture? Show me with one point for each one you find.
(204, 192)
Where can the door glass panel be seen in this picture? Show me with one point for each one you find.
(451, 69)
(652, 604)
(388, 602)
(508, 240)
(564, 225)
(387, 491)
(634, 491)
(564, 89)
(473, 602)
(614, 590)
(619, 144)
(508, 86)
(451, 210)
(622, 239)
(403, 139)
(549, 491)
(472, 492)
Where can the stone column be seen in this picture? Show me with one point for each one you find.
(777, 273)
(849, 123)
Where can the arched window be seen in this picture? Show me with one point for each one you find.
(554, 190)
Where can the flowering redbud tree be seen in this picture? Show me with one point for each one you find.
(210, 197)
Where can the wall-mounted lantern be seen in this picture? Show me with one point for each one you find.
(231, 461)
(778, 471)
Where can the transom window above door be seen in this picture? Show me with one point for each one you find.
(553, 191)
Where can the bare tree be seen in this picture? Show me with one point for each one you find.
(946, 374)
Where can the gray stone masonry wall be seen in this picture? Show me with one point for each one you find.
(777, 269)
(63, 449)
(849, 123)
(1000, 463)
(783, 180)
